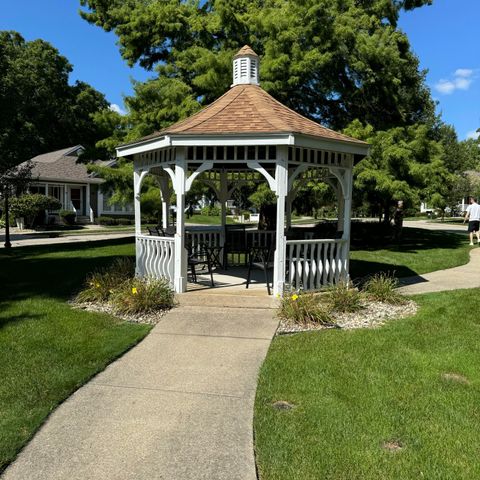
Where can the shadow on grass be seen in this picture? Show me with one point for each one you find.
(414, 240)
(52, 271)
(361, 268)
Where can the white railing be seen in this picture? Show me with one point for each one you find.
(313, 264)
(155, 256)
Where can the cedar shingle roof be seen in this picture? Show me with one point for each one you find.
(62, 165)
(246, 50)
(248, 109)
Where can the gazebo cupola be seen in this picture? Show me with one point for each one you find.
(246, 67)
(247, 135)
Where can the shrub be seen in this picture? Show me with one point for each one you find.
(125, 221)
(30, 205)
(305, 308)
(211, 211)
(345, 299)
(100, 284)
(381, 288)
(142, 295)
(103, 220)
(67, 216)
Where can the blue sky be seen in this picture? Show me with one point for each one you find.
(445, 37)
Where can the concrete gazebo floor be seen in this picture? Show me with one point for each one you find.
(229, 290)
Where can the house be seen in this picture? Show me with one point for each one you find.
(60, 175)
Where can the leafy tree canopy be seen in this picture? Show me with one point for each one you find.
(405, 163)
(331, 60)
(39, 110)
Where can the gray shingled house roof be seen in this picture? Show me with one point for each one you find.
(63, 166)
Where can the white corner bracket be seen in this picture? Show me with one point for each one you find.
(254, 165)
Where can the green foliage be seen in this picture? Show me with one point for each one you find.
(110, 221)
(211, 211)
(67, 216)
(404, 163)
(344, 298)
(332, 61)
(262, 196)
(30, 205)
(100, 284)
(382, 288)
(143, 295)
(34, 73)
(304, 308)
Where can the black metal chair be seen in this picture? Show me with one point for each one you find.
(154, 231)
(235, 242)
(261, 258)
(200, 256)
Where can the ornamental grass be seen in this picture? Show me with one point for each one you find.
(382, 288)
(304, 308)
(142, 295)
(100, 284)
(344, 298)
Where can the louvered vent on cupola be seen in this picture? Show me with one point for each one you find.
(246, 67)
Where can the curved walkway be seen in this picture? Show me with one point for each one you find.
(177, 406)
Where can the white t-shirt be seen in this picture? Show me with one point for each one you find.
(474, 212)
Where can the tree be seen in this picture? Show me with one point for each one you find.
(404, 163)
(39, 110)
(333, 61)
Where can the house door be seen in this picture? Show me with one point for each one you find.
(76, 198)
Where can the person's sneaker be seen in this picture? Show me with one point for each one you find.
(471, 243)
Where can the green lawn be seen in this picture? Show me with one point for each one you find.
(48, 349)
(421, 251)
(355, 390)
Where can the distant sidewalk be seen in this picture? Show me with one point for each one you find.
(465, 276)
(51, 238)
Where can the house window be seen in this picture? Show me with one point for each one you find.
(106, 207)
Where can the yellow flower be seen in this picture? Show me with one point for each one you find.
(97, 285)
(134, 290)
(294, 297)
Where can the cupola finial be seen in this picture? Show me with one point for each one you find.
(246, 65)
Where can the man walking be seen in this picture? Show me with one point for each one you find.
(473, 217)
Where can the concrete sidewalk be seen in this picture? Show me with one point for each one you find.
(178, 406)
(465, 276)
(25, 240)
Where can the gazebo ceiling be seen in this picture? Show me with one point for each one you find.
(246, 115)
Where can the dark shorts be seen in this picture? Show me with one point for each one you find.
(473, 226)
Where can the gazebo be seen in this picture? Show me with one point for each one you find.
(245, 135)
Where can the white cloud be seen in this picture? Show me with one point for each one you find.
(462, 79)
(463, 72)
(445, 86)
(116, 108)
(473, 134)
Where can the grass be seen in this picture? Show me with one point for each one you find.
(199, 219)
(413, 385)
(421, 251)
(48, 349)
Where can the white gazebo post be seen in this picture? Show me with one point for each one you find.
(138, 176)
(281, 181)
(180, 276)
